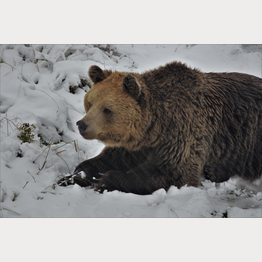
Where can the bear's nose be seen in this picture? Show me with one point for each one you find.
(81, 126)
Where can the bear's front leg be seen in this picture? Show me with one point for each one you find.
(89, 172)
(147, 178)
(142, 180)
(121, 181)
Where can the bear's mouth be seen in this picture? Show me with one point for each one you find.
(109, 139)
(88, 137)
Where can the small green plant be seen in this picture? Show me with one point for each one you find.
(26, 134)
(15, 196)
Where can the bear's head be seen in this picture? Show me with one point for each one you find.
(116, 112)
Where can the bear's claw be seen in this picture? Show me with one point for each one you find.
(81, 179)
(66, 181)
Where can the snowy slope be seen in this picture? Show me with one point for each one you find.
(44, 85)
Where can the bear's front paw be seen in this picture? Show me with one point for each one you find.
(112, 180)
(66, 181)
(106, 182)
(79, 178)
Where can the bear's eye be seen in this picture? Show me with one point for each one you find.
(107, 111)
(89, 105)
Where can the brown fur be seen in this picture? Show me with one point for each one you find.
(169, 126)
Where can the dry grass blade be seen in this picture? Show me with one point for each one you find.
(60, 152)
(75, 145)
(10, 211)
(46, 156)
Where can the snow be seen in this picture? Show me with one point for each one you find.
(35, 88)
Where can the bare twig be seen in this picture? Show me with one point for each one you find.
(2, 61)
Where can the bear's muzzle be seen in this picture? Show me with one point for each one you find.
(81, 126)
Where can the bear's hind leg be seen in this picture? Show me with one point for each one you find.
(215, 173)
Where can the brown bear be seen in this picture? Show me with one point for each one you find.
(170, 126)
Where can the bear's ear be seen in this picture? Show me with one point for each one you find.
(132, 86)
(96, 74)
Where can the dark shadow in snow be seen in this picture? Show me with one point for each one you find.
(252, 48)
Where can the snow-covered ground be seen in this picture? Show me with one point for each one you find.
(44, 86)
